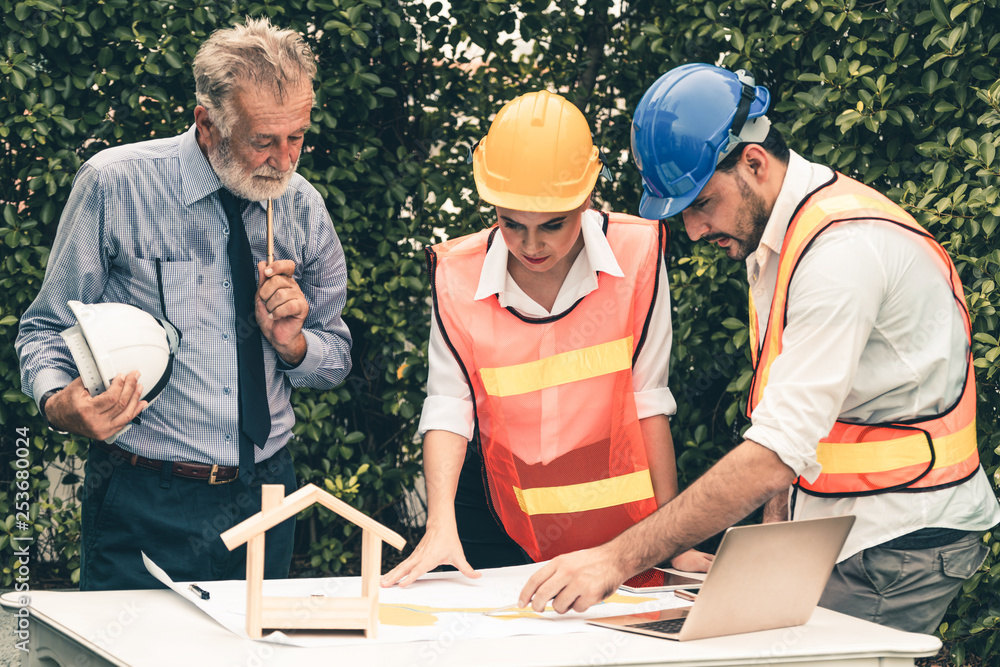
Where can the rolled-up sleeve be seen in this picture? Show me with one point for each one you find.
(651, 372)
(448, 406)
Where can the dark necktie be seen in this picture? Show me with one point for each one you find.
(255, 413)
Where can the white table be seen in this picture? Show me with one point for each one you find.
(153, 628)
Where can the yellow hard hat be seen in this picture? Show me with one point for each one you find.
(537, 156)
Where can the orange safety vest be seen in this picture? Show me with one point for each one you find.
(920, 454)
(555, 409)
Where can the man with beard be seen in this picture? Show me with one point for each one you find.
(863, 400)
(177, 227)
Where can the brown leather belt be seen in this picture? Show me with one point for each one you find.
(213, 474)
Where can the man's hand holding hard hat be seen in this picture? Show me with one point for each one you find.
(124, 357)
(97, 417)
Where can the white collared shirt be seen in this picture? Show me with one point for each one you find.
(449, 405)
(873, 335)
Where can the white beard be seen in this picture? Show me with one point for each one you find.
(242, 184)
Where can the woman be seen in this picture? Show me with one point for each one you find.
(549, 352)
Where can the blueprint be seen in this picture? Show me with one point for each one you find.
(440, 605)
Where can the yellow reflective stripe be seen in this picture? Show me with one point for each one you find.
(629, 488)
(809, 218)
(807, 222)
(854, 202)
(872, 457)
(590, 362)
(754, 329)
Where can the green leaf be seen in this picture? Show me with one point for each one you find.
(940, 12)
(67, 125)
(901, 41)
(173, 59)
(737, 40)
(929, 81)
(957, 10)
(14, 396)
(938, 173)
(359, 38)
(97, 18)
(988, 152)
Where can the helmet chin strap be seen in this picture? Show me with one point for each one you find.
(742, 130)
(174, 343)
(754, 131)
(605, 170)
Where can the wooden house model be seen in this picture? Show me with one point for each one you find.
(313, 613)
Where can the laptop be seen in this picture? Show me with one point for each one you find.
(764, 577)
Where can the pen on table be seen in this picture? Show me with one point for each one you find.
(270, 231)
(199, 591)
(686, 595)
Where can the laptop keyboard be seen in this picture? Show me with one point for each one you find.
(667, 626)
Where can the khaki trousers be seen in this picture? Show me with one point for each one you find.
(904, 589)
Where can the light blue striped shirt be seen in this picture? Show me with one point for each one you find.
(156, 200)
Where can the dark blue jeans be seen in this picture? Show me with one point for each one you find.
(175, 521)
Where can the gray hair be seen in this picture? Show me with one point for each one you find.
(256, 53)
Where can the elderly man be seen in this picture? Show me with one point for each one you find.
(177, 227)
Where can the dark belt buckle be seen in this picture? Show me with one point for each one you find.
(214, 472)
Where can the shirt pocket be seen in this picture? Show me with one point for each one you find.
(180, 290)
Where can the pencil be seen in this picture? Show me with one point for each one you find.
(270, 231)
(506, 607)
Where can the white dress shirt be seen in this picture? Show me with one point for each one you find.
(873, 335)
(449, 405)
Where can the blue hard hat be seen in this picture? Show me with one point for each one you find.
(687, 121)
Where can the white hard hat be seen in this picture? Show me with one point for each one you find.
(113, 339)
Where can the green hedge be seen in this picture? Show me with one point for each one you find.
(80, 76)
(902, 94)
